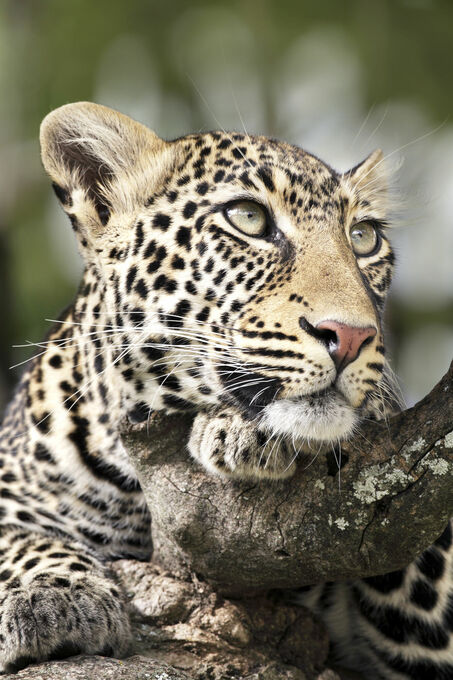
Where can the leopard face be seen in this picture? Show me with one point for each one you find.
(228, 269)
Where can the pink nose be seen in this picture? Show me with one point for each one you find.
(344, 342)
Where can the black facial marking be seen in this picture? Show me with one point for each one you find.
(266, 178)
(139, 413)
(62, 194)
(251, 391)
(173, 402)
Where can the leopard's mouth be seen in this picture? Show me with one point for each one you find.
(324, 416)
(251, 391)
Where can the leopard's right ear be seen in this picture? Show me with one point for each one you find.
(99, 160)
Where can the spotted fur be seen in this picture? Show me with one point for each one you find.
(177, 310)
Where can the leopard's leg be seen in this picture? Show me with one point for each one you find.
(228, 445)
(395, 626)
(56, 599)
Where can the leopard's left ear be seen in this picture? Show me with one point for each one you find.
(370, 179)
(98, 159)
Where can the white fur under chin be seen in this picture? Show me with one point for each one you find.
(325, 417)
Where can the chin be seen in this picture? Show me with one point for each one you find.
(323, 417)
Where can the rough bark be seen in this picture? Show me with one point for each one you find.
(390, 500)
(91, 667)
(183, 630)
(187, 624)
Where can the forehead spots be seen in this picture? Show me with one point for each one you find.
(265, 175)
(189, 209)
(202, 188)
(209, 259)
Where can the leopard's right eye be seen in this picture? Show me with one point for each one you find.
(248, 217)
(364, 238)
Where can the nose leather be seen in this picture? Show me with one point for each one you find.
(349, 341)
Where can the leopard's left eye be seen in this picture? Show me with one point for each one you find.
(364, 238)
(247, 216)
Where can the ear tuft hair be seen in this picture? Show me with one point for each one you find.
(370, 171)
(375, 181)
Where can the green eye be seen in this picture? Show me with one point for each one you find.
(247, 216)
(364, 238)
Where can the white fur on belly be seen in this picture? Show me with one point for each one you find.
(325, 417)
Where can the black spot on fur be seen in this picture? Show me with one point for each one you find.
(418, 670)
(150, 249)
(190, 287)
(132, 273)
(24, 516)
(55, 361)
(29, 564)
(43, 454)
(177, 262)
(387, 582)
(142, 289)
(171, 401)
(239, 152)
(161, 221)
(189, 209)
(183, 237)
(423, 595)
(93, 536)
(98, 467)
(139, 413)
(139, 237)
(185, 179)
(9, 477)
(202, 188)
(74, 222)
(432, 564)
(43, 422)
(266, 178)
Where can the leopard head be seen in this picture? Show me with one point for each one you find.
(230, 269)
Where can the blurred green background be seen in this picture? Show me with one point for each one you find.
(336, 77)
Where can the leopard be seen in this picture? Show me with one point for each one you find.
(233, 276)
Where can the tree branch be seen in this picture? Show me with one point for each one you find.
(390, 500)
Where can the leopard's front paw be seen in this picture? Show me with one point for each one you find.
(228, 445)
(55, 616)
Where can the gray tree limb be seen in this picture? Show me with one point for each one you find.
(391, 499)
